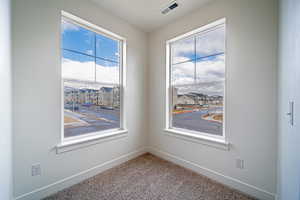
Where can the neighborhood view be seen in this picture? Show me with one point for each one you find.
(91, 78)
(90, 109)
(197, 81)
(198, 112)
(90, 72)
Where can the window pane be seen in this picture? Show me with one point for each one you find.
(90, 108)
(77, 66)
(211, 69)
(91, 85)
(183, 73)
(107, 48)
(198, 82)
(183, 50)
(211, 42)
(77, 38)
(196, 110)
(107, 72)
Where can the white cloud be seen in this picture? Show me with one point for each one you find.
(90, 52)
(85, 71)
(211, 70)
(180, 59)
(208, 43)
(211, 42)
(107, 74)
(210, 76)
(66, 26)
(183, 73)
(182, 48)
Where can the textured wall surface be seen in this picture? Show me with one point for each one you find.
(288, 84)
(251, 98)
(37, 92)
(5, 102)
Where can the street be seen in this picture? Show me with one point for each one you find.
(193, 121)
(91, 119)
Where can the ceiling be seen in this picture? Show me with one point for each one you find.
(146, 14)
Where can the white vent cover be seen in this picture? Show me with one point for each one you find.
(171, 6)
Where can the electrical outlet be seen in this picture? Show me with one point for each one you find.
(240, 164)
(36, 170)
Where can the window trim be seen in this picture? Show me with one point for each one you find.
(97, 135)
(199, 136)
(94, 138)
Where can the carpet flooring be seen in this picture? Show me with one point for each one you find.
(148, 177)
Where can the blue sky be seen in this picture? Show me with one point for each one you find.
(186, 54)
(200, 60)
(82, 40)
(81, 48)
(199, 46)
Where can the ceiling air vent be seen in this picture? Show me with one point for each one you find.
(172, 6)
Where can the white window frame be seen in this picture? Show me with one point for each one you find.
(205, 138)
(74, 142)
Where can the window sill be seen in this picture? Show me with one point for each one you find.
(70, 145)
(205, 140)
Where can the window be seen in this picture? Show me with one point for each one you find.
(196, 81)
(92, 67)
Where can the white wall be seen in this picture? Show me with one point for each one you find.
(288, 85)
(250, 96)
(5, 102)
(36, 76)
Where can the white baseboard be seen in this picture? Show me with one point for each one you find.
(76, 178)
(226, 180)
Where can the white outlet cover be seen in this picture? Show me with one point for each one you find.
(36, 170)
(240, 163)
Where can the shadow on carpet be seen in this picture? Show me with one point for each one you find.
(148, 177)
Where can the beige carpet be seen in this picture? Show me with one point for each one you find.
(148, 177)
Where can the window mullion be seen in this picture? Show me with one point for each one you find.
(195, 98)
(92, 99)
(170, 92)
(95, 57)
(195, 70)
